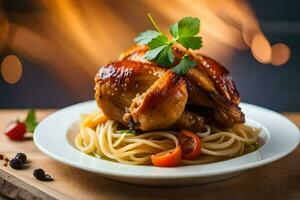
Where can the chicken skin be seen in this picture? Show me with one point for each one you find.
(142, 95)
(209, 84)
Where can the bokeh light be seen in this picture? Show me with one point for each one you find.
(261, 48)
(11, 69)
(280, 54)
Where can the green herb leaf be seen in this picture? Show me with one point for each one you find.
(31, 121)
(174, 31)
(126, 131)
(186, 27)
(163, 55)
(160, 50)
(146, 37)
(158, 41)
(183, 66)
(153, 53)
(184, 32)
(160, 47)
(165, 58)
(192, 42)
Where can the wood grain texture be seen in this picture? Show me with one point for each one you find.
(279, 180)
(14, 188)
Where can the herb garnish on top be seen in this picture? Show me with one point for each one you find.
(183, 32)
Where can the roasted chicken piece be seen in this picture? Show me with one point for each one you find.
(118, 83)
(145, 96)
(209, 84)
(208, 74)
(160, 106)
(142, 96)
(190, 121)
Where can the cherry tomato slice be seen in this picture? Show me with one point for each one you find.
(190, 144)
(169, 158)
(16, 130)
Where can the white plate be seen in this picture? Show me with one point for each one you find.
(54, 137)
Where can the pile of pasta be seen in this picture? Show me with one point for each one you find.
(100, 137)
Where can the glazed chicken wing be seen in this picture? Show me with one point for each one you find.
(118, 83)
(143, 96)
(160, 106)
(209, 84)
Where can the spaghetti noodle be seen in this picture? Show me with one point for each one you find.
(100, 137)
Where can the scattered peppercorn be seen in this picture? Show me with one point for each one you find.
(19, 160)
(16, 163)
(40, 175)
(21, 156)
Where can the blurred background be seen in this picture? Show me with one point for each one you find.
(51, 50)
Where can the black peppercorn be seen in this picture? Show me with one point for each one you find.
(16, 163)
(21, 156)
(40, 175)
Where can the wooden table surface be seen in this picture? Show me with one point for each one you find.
(279, 180)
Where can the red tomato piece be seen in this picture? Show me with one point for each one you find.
(16, 130)
(190, 144)
(169, 158)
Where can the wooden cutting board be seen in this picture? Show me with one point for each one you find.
(279, 180)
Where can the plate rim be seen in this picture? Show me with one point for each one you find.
(216, 172)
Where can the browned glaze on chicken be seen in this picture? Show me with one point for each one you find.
(142, 95)
(190, 121)
(196, 93)
(209, 84)
(219, 75)
(160, 106)
(118, 83)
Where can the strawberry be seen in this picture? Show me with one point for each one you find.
(16, 130)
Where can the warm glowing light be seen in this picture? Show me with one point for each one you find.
(280, 54)
(73, 38)
(261, 48)
(248, 33)
(4, 28)
(11, 69)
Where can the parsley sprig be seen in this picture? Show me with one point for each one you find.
(30, 121)
(183, 32)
